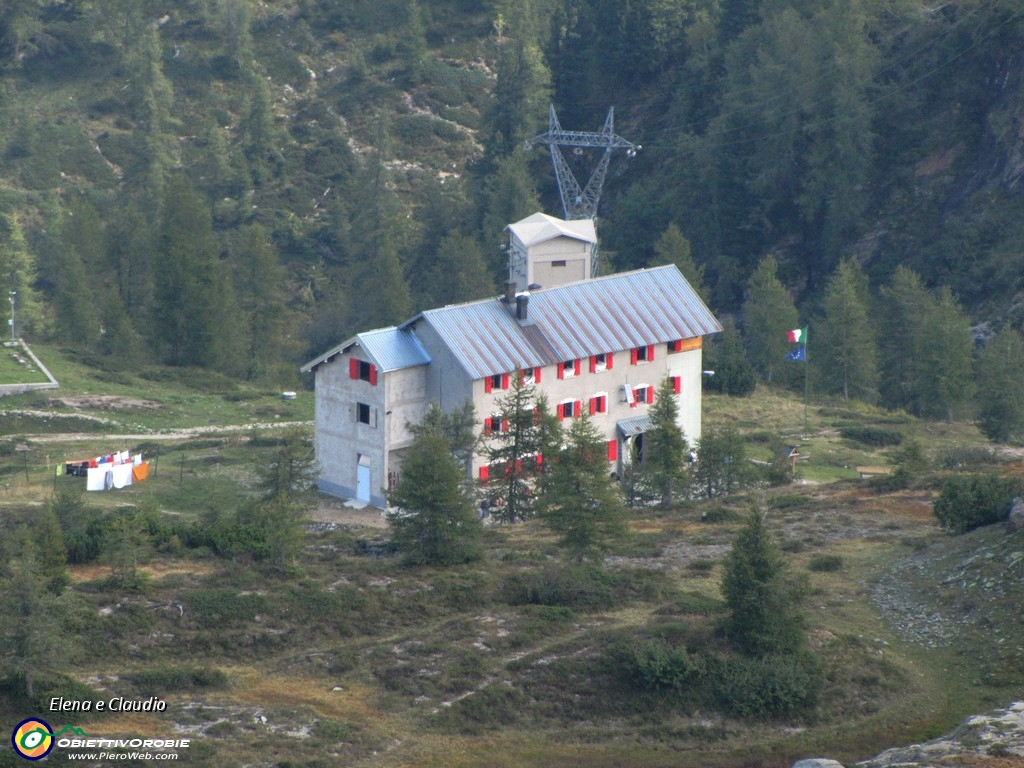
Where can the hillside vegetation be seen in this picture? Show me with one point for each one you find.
(239, 185)
(521, 658)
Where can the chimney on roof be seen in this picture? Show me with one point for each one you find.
(522, 306)
(510, 291)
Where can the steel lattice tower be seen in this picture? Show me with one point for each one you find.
(581, 202)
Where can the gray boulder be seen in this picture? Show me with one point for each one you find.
(1015, 521)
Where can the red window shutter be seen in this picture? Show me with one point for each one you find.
(522, 377)
(603, 404)
(613, 450)
(488, 382)
(504, 425)
(650, 395)
(633, 356)
(650, 353)
(536, 375)
(677, 384)
(633, 403)
(373, 374)
(485, 472)
(577, 408)
(593, 363)
(353, 368)
(504, 381)
(519, 466)
(576, 366)
(593, 406)
(608, 360)
(560, 411)
(540, 459)
(561, 370)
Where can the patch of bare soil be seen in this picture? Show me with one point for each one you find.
(106, 402)
(339, 512)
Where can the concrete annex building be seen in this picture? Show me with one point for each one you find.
(595, 345)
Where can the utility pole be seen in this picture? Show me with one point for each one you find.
(581, 202)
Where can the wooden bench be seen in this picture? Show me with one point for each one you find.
(869, 472)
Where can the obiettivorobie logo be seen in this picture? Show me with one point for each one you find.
(33, 738)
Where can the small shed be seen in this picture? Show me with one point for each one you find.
(790, 453)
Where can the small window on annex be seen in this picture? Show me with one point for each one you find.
(363, 413)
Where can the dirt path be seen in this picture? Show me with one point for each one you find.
(173, 434)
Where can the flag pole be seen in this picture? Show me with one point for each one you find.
(806, 380)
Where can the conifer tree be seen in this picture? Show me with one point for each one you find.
(457, 427)
(763, 600)
(433, 521)
(192, 298)
(1001, 386)
(515, 436)
(51, 554)
(673, 248)
(457, 273)
(666, 450)
(18, 274)
(579, 500)
(948, 374)
(727, 358)
(768, 313)
(31, 641)
(845, 347)
(902, 312)
(259, 278)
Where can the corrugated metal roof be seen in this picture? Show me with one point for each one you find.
(390, 349)
(634, 425)
(540, 227)
(607, 314)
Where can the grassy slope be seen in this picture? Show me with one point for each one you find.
(359, 660)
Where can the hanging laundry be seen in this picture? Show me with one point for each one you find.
(122, 475)
(94, 479)
(140, 471)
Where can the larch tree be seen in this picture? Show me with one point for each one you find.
(764, 617)
(432, 517)
(579, 500)
(673, 248)
(192, 300)
(32, 645)
(665, 448)
(845, 349)
(259, 281)
(732, 374)
(514, 438)
(902, 313)
(1000, 370)
(18, 274)
(768, 313)
(948, 363)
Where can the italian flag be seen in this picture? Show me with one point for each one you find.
(798, 335)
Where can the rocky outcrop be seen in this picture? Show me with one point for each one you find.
(998, 736)
(1015, 521)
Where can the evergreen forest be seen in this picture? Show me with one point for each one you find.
(238, 186)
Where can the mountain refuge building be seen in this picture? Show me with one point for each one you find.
(599, 346)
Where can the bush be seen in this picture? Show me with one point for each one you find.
(162, 680)
(967, 456)
(971, 501)
(579, 587)
(220, 608)
(496, 706)
(657, 665)
(826, 564)
(769, 687)
(875, 437)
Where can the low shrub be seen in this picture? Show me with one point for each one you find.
(162, 680)
(967, 456)
(580, 587)
(657, 665)
(771, 687)
(967, 502)
(219, 608)
(720, 515)
(825, 564)
(874, 437)
(495, 706)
